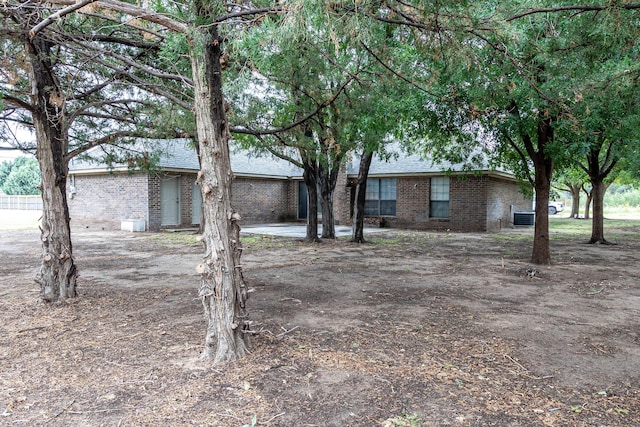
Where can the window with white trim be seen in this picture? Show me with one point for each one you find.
(380, 197)
(439, 200)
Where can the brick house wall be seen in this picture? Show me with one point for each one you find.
(412, 207)
(153, 195)
(109, 198)
(106, 199)
(292, 201)
(476, 203)
(262, 200)
(504, 197)
(468, 203)
(186, 198)
(342, 199)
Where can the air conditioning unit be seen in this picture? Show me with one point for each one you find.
(524, 219)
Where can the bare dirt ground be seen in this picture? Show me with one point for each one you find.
(413, 329)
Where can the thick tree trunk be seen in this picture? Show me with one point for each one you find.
(357, 233)
(328, 178)
(598, 171)
(574, 189)
(597, 225)
(543, 169)
(57, 276)
(222, 290)
(541, 250)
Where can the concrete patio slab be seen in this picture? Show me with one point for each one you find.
(297, 230)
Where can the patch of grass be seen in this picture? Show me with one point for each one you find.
(515, 238)
(387, 241)
(613, 228)
(177, 238)
(569, 226)
(264, 241)
(251, 241)
(402, 421)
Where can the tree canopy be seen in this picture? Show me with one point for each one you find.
(536, 83)
(20, 176)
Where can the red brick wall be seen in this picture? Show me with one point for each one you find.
(476, 203)
(261, 200)
(153, 194)
(292, 199)
(341, 198)
(104, 200)
(468, 203)
(412, 206)
(504, 198)
(186, 198)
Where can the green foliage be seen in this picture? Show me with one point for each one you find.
(5, 170)
(113, 84)
(622, 196)
(318, 64)
(405, 420)
(20, 177)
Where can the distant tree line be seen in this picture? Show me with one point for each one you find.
(20, 176)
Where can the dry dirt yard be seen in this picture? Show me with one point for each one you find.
(412, 329)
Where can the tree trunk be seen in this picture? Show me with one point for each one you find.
(597, 225)
(328, 178)
(574, 189)
(357, 233)
(541, 250)
(311, 180)
(222, 290)
(587, 204)
(543, 169)
(598, 172)
(58, 274)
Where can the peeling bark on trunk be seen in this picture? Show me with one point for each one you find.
(58, 274)
(222, 290)
(357, 234)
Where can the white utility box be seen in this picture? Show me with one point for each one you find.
(135, 225)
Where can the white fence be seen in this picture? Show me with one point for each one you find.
(25, 203)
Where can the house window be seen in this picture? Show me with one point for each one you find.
(380, 197)
(439, 206)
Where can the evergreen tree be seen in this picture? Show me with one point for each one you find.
(20, 177)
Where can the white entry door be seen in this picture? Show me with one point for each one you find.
(170, 200)
(196, 204)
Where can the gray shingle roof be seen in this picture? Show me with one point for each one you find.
(180, 155)
(402, 163)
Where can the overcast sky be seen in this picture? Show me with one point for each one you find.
(22, 135)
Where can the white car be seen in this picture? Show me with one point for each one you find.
(555, 207)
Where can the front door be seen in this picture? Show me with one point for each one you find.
(196, 204)
(170, 200)
(303, 201)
